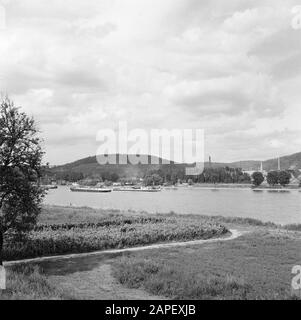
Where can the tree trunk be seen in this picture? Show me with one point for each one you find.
(1, 246)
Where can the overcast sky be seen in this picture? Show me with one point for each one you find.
(231, 67)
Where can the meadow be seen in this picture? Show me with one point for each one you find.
(28, 283)
(78, 234)
(257, 265)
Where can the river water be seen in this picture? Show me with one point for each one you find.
(283, 208)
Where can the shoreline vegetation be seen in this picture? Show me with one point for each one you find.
(85, 230)
(213, 271)
(244, 186)
(56, 214)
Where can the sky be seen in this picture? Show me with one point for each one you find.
(232, 68)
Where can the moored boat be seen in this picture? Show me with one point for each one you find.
(135, 189)
(90, 189)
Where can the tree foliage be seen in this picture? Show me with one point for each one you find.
(153, 180)
(20, 170)
(273, 178)
(284, 178)
(258, 178)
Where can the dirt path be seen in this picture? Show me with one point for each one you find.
(89, 276)
(98, 284)
(234, 235)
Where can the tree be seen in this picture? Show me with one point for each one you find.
(273, 178)
(20, 171)
(153, 180)
(258, 178)
(284, 178)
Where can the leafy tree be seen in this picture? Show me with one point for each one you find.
(114, 177)
(20, 171)
(153, 180)
(273, 178)
(258, 178)
(284, 178)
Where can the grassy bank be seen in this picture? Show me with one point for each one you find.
(62, 215)
(255, 266)
(72, 233)
(28, 283)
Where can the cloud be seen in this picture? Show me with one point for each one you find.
(230, 67)
(230, 96)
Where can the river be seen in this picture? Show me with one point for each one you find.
(283, 208)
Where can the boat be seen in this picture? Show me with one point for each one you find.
(90, 189)
(135, 189)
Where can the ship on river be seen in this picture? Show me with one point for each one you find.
(90, 189)
(137, 189)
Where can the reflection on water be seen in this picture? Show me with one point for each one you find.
(277, 207)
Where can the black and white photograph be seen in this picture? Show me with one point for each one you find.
(150, 153)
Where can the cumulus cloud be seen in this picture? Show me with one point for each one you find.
(230, 67)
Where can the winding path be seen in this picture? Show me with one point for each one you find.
(234, 235)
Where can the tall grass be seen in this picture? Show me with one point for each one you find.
(162, 279)
(27, 283)
(108, 233)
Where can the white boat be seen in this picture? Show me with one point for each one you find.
(90, 189)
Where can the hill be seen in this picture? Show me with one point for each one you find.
(89, 166)
(287, 162)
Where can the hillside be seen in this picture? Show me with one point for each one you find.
(89, 166)
(287, 162)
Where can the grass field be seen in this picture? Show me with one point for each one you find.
(256, 265)
(72, 232)
(28, 283)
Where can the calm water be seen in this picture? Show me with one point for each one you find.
(281, 208)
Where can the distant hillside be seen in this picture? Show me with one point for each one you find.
(288, 162)
(89, 166)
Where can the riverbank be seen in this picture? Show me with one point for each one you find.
(225, 186)
(67, 215)
(256, 265)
